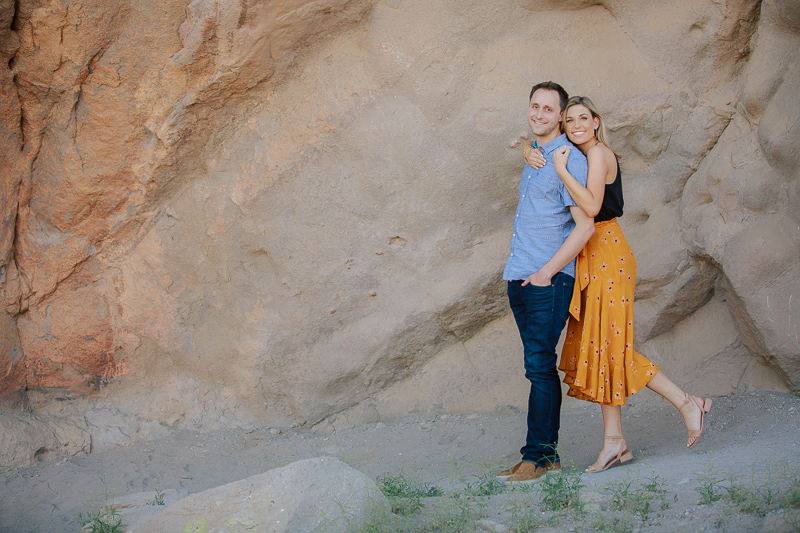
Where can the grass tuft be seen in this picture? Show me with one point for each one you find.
(709, 489)
(638, 499)
(103, 519)
(402, 487)
(487, 484)
(561, 489)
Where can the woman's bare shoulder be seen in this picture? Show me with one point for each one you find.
(600, 153)
(600, 149)
(602, 158)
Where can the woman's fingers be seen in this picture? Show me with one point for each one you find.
(536, 159)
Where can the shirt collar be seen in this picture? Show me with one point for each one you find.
(549, 147)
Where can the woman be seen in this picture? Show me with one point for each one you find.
(598, 358)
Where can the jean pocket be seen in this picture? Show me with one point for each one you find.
(531, 286)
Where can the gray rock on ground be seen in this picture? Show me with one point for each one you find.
(320, 494)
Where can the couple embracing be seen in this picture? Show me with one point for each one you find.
(570, 196)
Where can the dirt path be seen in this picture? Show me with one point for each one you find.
(752, 439)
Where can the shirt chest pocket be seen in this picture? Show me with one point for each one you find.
(546, 188)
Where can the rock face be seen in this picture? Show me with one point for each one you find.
(235, 213)
(320, 494)
(25, 439)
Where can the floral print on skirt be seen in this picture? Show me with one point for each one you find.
(598, 358)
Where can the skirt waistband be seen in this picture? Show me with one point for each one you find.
(605, 223)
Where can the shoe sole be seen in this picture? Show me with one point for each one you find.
(525, 481)
(505, 477)
(554, 471)
(704, 410)
(621, 460)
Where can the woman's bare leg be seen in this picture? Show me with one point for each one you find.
(613, 440)
(692, 414)
(612, 420)
(664, 386)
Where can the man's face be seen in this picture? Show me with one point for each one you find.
(544, 114)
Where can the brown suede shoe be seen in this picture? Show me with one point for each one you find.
(525, 472)
(505, 474)
(508, 472)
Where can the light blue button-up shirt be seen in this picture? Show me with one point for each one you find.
(543, 220)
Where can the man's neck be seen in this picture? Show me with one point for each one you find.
(541, 141)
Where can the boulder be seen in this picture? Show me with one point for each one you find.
(321, 494)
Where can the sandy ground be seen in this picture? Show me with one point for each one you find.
(752, 438)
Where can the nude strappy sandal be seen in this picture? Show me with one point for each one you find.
(705, 406)
(623, 456)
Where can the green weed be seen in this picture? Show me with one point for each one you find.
(525, 517)
(709, 489)
(790, 498)
(620, 523)
(405, 496)
(781, 490)
(400, 486)
(158, 499)
(638, 499)
(747, 499)
(486, 485)
(561, 490)
(105, 519)
(406, 506)
(450, 516)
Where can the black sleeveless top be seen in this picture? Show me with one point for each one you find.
(612, 199)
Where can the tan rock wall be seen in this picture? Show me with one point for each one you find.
(226, 213)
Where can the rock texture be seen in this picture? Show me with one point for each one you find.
(320, 494)
(26, 439)
(244, 213)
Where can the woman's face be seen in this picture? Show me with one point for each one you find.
(580, 125)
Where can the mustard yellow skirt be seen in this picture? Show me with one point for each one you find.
(598, 358)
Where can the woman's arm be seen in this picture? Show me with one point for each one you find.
(589, 198)
(533, 156)
(576, 240)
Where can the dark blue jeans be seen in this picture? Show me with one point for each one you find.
(541, 313)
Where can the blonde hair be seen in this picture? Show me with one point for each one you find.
(600, 132)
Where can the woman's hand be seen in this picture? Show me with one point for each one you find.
(533, 156)
(560, 158)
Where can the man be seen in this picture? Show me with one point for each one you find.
(549, 231)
